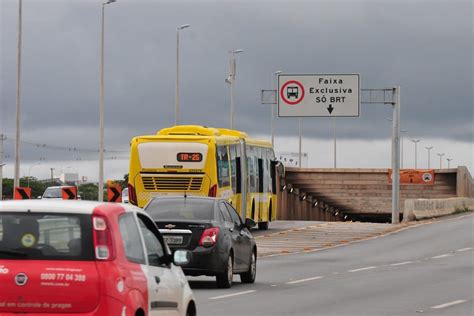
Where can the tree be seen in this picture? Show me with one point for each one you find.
(88, 191)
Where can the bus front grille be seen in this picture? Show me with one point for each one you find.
(158, 183)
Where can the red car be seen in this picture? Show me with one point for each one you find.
(87, 258)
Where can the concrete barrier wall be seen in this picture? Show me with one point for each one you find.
(416, 209)
(363, 194)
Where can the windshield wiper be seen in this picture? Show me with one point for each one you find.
(13, 253)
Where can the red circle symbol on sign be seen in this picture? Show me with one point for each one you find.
(292, 89)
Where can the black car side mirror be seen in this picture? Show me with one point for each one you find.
(249, 223)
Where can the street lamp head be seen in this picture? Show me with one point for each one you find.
(2, 164)
(429, 148)
(109, 2)
(184, 26)
(238, 51)
(277, 72)
(415, 140)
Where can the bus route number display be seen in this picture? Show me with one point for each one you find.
(189, 157)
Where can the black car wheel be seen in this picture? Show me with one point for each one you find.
(224, 279)
(250, 275)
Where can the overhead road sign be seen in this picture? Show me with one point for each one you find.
(22, 193)
(319, 95)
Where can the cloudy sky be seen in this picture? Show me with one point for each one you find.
(426, 47)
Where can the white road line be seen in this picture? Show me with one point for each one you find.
(463, 249)
(442, 256)
(401, 263)
(304, 280)
(362, 269)
(231, 295)
(448, 304)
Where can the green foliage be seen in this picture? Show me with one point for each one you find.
(88, 191)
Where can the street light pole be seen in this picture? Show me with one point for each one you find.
(272, 122)
(16, 181)
(29, 173)
(231, 80)
(416, 141)
(440, 160)
(102, 106)
(449, 161)
(176, 113)
(429, 155)
(401, 136)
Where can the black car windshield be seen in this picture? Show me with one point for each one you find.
(45, 236)
(181, 209)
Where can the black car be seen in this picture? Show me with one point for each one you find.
(221, 244)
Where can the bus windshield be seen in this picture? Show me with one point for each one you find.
(181, 155)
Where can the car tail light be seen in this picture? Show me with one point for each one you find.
(132, 195)
(213, 190)
(209, 237)
(103, 243)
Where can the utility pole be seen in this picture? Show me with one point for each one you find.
(52, 175)
(2, 138)
(429, 155)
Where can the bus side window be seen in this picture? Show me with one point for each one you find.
(233, 167)
(223, 175)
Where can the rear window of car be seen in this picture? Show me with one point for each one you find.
(52, 193)
(181, 209)
(45, 236)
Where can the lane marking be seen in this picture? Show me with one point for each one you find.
(401, 263)
(231, 295)
(448, 304)
(304, 280)
(362, 269)
(463, 249)
(442, 256)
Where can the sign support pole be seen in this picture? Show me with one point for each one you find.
(396, 156)
(299, 146)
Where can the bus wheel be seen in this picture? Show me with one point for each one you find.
(263, 225)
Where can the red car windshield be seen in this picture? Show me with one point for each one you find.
(45, 236)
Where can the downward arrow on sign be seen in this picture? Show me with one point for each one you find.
(330, 108)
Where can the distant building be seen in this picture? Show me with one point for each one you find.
(69, 178)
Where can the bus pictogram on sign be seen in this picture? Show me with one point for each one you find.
(292, 92)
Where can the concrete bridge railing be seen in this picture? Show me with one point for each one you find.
(359, 194)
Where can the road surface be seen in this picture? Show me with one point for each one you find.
(427, 269)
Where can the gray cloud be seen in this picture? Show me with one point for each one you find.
(423, 46)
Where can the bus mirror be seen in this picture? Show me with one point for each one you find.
(280, 169)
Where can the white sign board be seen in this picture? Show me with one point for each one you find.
(323, 95)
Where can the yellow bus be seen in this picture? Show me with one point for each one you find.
(200, 160)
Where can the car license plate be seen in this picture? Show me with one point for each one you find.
(174, 240)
